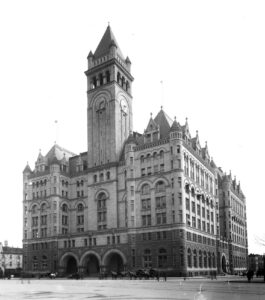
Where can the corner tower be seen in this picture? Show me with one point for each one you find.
(109, 101)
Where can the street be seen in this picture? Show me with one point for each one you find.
(173, 288)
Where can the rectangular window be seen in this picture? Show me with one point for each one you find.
(143, 172)
(161, 218)
(193, 207)
(203, 212)
(161, 202)
(162, 168)
(188, 219)
(149, 170)
(199, 224)
(198, 209)
(146, 203)
(187, 204)
(194, 222)
(132, 190)
(146, 220)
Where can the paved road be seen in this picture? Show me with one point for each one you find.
(173, 288)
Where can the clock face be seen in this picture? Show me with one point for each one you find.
(124, 106)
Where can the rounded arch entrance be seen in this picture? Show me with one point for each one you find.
(114, 260)
(69, 262)
(223, 263)
(90, 262)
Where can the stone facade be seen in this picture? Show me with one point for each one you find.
(132, 200)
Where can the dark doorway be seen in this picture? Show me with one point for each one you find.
(223, 264)
(71, 266)
(115, 263)
(91, 266)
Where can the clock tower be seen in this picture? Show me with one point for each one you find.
(109, 101)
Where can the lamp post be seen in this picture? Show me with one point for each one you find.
(264, 267)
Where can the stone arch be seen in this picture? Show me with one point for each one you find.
(139, 186)
(90, 262)
(102, 95)
(34, 204)
(69, 262)
(102, 191)
(223, 263)
(114, 260)
(161, 178)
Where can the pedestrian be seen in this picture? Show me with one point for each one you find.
(157, 276)
(165, 276)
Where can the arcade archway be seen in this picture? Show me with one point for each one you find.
(71, 265)
(224, 264)
(114, 260)
(91, 265)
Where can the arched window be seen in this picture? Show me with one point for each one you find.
(127, 86)
(155, 155)
(145, 190)
(43, 208)
(102, 211)
(209, 260)
(142, 159)
(107, 76)
(147, 258)
(160, 187)
(94, 82)
(64, 208)
(62, 182)
(34, 209)
(82, 182)
(189, 258)
(200, 259)
(161, 154)
(162, 258)
(195, 258)
(80, 207)
(95, 178)
(101, 177)
(37, 184)
(187, 188)
(192, 192)
(214, 262)
(205, 259)
(148, 157)
(118, 77)
(122, 81)
(108, 175)
(33, 185)
(100, 79)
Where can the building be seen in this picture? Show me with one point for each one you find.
(255, 262)
(132, 200)
(10, 260)
(233, 221)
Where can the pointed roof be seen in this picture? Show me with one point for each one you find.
(107, 40)
(175, 126)
(152, 125)
(27, 169)
(164, 122)
(58, 153)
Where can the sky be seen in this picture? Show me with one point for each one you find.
(209, 56)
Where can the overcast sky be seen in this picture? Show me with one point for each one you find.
(210, 56)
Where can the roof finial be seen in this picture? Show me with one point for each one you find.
(108, 23)
(161, 107)
(175, 118)
(151, 114)
(40, 150)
